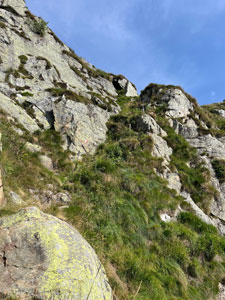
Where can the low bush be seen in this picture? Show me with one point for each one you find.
(38, 26)
(219, 168)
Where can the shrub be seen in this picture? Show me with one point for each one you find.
(219, 168)
(38, 26)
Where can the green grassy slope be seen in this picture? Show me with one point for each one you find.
(117, 199)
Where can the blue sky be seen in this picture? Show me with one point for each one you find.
(180, 42)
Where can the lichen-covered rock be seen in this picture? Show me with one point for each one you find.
(44, 257)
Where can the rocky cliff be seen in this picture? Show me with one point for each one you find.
(44, 84)
(141, 177)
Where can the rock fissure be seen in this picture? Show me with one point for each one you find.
(4, 259)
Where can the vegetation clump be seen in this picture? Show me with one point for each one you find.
(38, 26)
(219, 168)
(93, 72)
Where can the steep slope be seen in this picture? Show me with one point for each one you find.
(142, 178)
(54, 85)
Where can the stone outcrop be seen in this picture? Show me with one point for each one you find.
(37, 71)
(146, 123)
(207, 144)
(44, 257)
(83, 127)
(184, 117)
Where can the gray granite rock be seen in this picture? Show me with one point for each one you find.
(83, 127)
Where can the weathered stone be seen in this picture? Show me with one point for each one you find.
(173, 181)
(188, 130)
(46, 258)
(15, 111)
(82, 126)
(160, 147)
(18, 130)
(146, 123)
(221, 294)
(62, 198)
(217, 208)
(46, 162)
(32, 147)
(177, 104)
(18, 6)
(208, 144)
(131, 90)
(41, 118)
(121, 83)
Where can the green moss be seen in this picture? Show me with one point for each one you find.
(27, 94)
(22, 69)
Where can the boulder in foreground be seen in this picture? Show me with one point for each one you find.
(44, 257)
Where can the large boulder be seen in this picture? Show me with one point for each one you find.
(44, 257)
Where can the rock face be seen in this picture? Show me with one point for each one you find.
(184, 116)
(83, 127)
(37, 71)
(44, 257)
